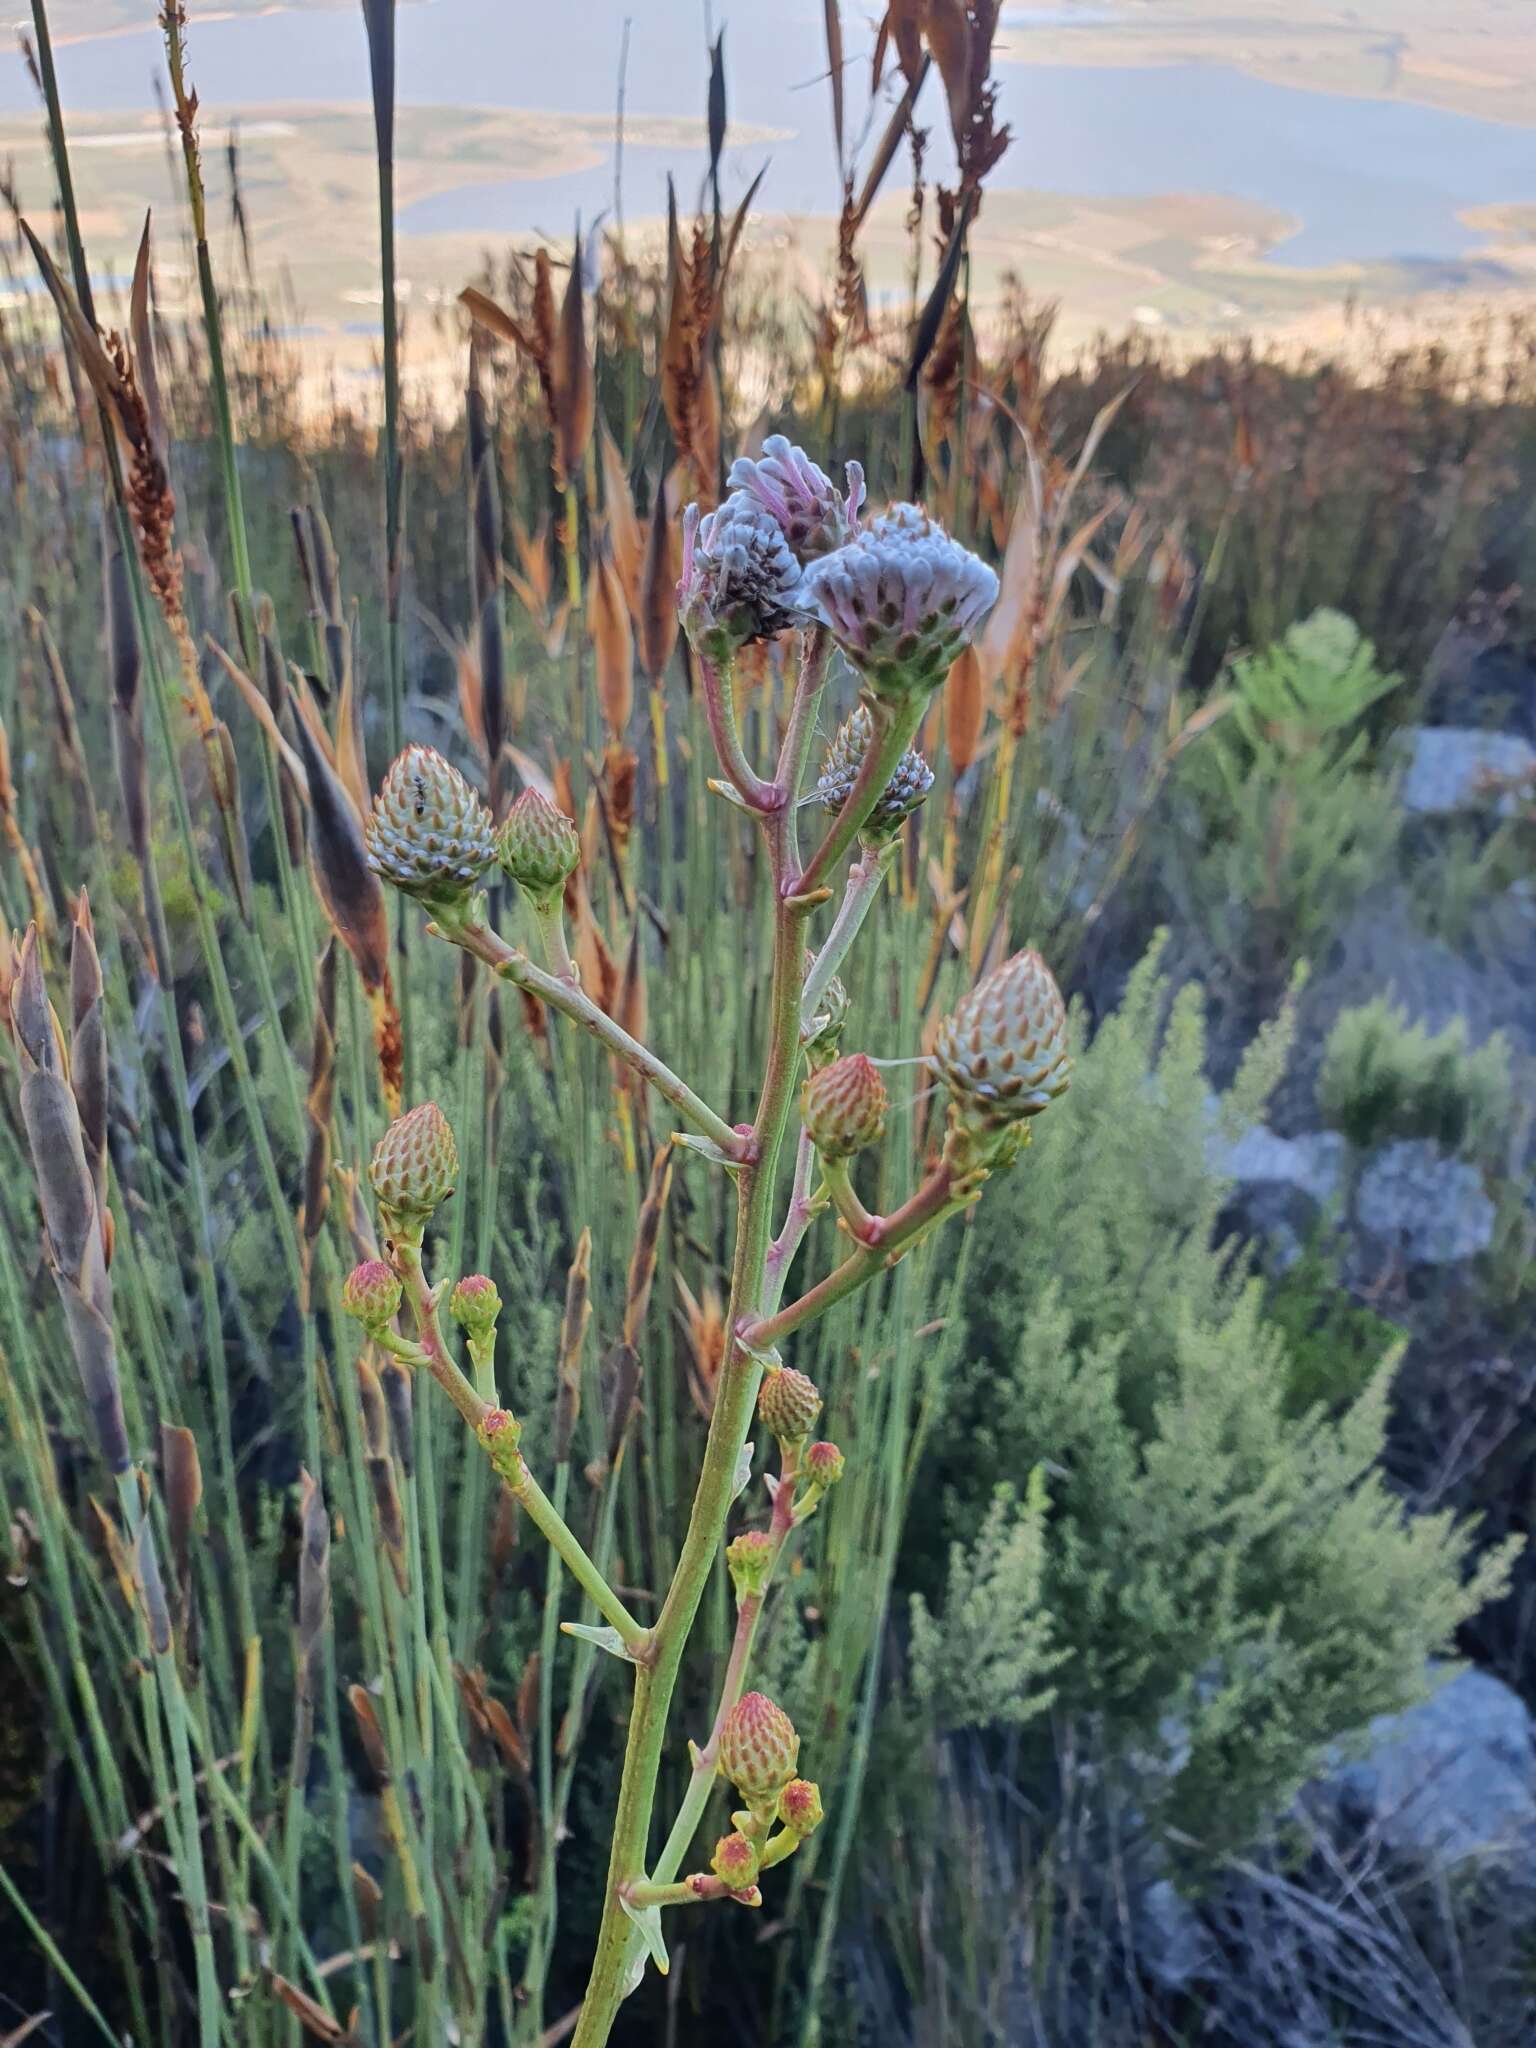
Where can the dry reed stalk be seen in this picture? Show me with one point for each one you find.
(40, 908)
(574, 1324)
(77, 1237)
(483, 679)
(319, 1104)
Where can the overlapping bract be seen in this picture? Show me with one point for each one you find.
(1002, 1051)
(428, 833)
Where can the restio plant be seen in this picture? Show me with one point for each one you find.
(785, 552)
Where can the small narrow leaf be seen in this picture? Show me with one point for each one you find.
(648, 1920)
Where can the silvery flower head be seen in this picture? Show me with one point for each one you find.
(740, 581)
(901, 600)
(812, 516)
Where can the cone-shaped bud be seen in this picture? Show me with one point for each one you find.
(474, 1305)
(740, 581)
(371, 1292)
(811, 513)
(901, 600)
(902, 794)
(826, 1026)
(789, 1404)
(749, 1556)
(844, 1106)
(415, 1164)
(735, 1861)
(800, 1807)
(1002, 1050)
(539, 846)
(428, 832)
(758, 1748)
(823, 1464)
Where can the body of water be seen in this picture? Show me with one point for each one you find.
(1363, 180)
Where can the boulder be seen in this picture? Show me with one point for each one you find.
(1433, 1210)
(1447, 1781)
(1459, 768)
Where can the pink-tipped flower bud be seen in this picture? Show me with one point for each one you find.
(844, 1106)
(735, 1861)
(371, 1292)
(811, 513)
(740, 581)
(758, 1748)
(415, 1165)
(901, 600)
(823, 1464)
(501, 1436)
(749, 1556)
(428, 833)
(474, 1305)
(539, 847)
(1002, 1051)
(800, 1807)
(905, 791)
(788, 1403)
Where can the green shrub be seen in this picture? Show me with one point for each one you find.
(1292, 821)
(1383, 1078)
(1232, 1583)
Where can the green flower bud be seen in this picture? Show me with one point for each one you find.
(474, 1305)
(539, 847)
(1002, 1051)
(844, 1106)
(800, 1807)
(823, 1465)
(749, 1556)
(428, 833)
(415, 1165)
(788, 1403)
(907, 788)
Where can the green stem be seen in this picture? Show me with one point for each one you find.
(516, 967)
(508, 1461)
(866, 878)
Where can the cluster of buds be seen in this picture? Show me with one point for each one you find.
(1002, 1054)
(898, 596)
(758, 1751)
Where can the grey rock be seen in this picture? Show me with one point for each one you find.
(1312, 1163)
(1449, 1780)
(1457, 768)
(1433, 1210)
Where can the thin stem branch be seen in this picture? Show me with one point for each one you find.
(719, 692)
(940, 1195)
(509, 1461)
(515, 966)
(866, 878)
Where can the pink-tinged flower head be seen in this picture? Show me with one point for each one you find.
(475, 1304)
(740, 581)
(735, 1861)
(800, 1807)
(371, 1292)
(901, 600)
(823, 1464)
(811, 513)
(758, 1748)
(844, 1106)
